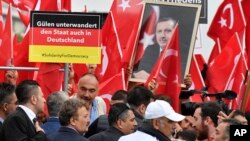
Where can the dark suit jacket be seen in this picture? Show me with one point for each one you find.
(66, 134)
(111, 134)
(17, 126)
(149, 58)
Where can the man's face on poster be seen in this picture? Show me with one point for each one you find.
(163, 32)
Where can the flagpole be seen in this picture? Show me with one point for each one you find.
(246, 94)
(11, 38)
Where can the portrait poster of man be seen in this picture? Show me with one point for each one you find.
(157, 24)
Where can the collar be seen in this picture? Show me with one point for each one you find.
(29, 112)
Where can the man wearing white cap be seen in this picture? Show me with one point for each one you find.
(158, 125)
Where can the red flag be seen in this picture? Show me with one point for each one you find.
(26, 5)
(111, 49)
(147, 36)
(6, 50)
(131, 11)
(21, 55)
(246, 10)
(127, 30)
(221, 69)
(167, 70)
(23, 17)
(215, 51)
(198, 82)
(111, 85)
(1, 23)
(50, 78)
(228, 20)
(236, 83)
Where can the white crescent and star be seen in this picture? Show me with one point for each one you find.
(223, 21)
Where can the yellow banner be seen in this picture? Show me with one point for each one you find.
(65, 54)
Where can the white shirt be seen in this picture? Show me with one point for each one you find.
(29, 112)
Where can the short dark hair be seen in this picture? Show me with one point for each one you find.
(117, 111)
(24, 90)
(210, 109)
(69, 109)
(120, 95)
(55, 101)
(229, 122)
(163, 19)
(6, 90)
(139, 95)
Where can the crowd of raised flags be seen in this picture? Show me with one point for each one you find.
(226, 67)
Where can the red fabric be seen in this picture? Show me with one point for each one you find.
(148, 33)
(236, 83)
(111, 60)
(227, 21)
(24, 18)
(167, 70)
(198, 82)
(5, 49)
(50, 78)
(131, 12)
(215, 51)
(200, 61)
(220, 71)
(23, 4)
(21, 58)
(246, 10)
(1, 36)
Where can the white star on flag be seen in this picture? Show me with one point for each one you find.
(124, 5)
(16, 2)
(147, 40)
(222, 22)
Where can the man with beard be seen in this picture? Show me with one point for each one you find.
(206, 120)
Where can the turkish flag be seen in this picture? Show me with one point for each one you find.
(167, 70)
(23, 17)
(227, 21)
(148, 32)
(215, 51)
(236, 83)
(197, 80)
(111, 49)
(130, 10)
(26, 5)
(220, 71)
(245, 6)
(6, 50)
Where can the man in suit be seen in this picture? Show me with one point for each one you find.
(74, 118)
(54, 104)
(122, 122)
(22, 124)
(8, 101)
(163, 32)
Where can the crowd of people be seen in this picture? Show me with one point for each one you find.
(133, 115)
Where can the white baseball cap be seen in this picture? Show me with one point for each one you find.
(161, 108)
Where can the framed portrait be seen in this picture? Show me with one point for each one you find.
(157, 23)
